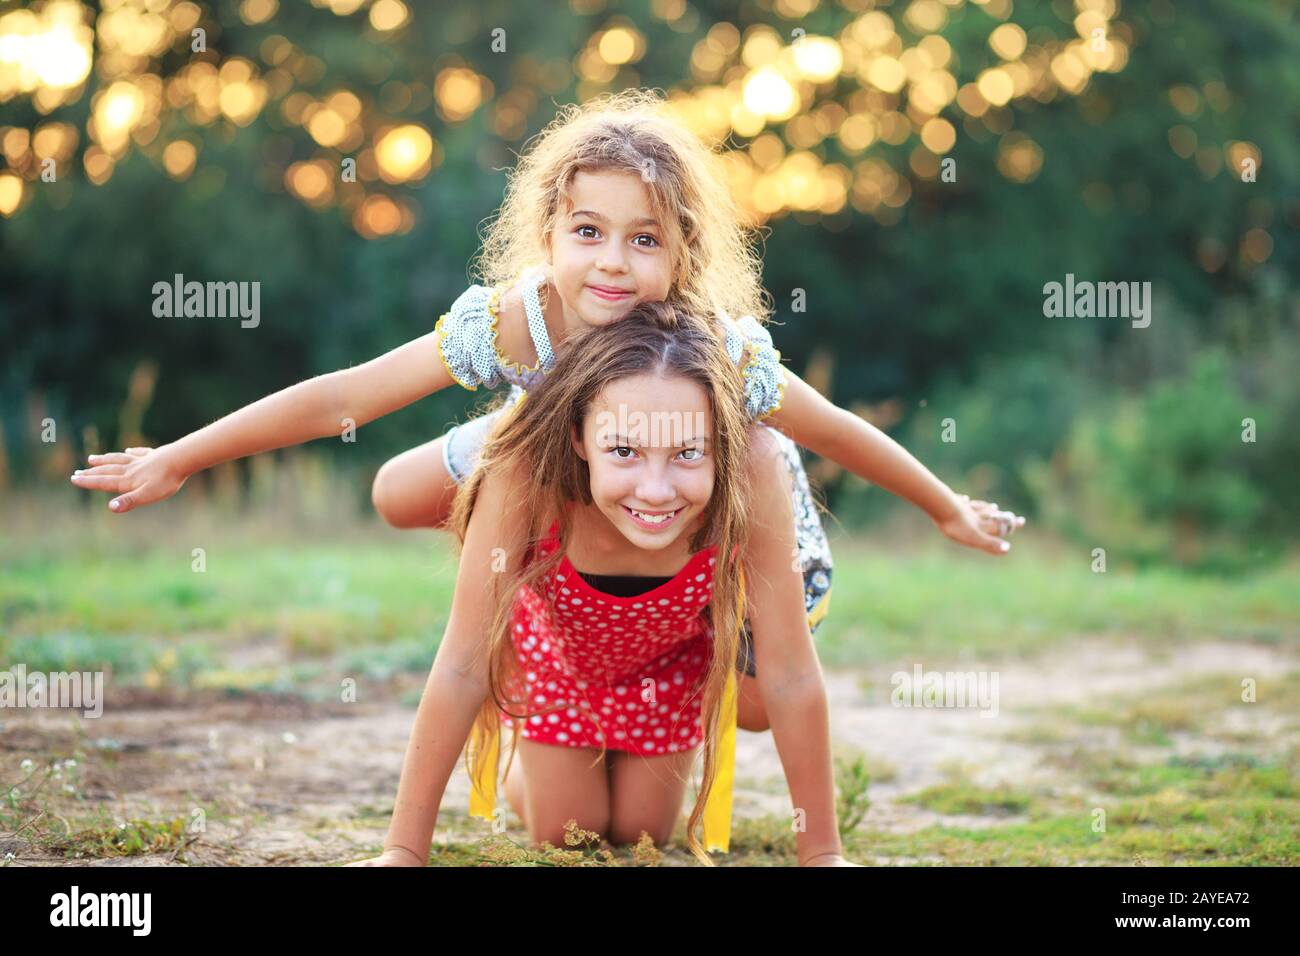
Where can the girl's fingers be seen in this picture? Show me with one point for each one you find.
(112, 458)
(995, 545)
(124, 503)
(100, 470)
(138, 451)
(112, 483)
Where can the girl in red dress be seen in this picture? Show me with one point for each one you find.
(634, 469)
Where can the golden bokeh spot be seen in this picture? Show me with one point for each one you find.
(1186, 100)
(767, 151)
(341, 8)
(114, 113)
(11, 194)
(818, 59)
(54, 141)
(620, 45)
(312, 182)
(1239, 152)
(795, 9)
(996, 86)
(762, 47)
(14, 142)
(459, 92)
(1008, 41)
(938, 135)
(925, 16)
(404, 153)
(179, 158)
(767, 93)
(388, 15)
(254, 12)
(1256, 245)
(378, 216)
(326, 127)
(936, 49)
(894, 127)
(873, 30)
(857, 132)
(1019, 158)
(98, 165)
(886, 73)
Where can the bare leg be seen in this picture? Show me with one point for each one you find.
(646, 794)
(563, 783)
(414, 489)
(514, 786)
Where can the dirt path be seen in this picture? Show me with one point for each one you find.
(286, 782)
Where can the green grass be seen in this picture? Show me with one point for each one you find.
(108, 586)
(943, 600)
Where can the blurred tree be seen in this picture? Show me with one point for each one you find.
(944, 159)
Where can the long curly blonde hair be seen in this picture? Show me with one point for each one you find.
(534, 439)
(716, 267)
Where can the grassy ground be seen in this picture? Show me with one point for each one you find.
(286, 604)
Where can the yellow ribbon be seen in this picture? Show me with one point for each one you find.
(717, 808)
(483, 795)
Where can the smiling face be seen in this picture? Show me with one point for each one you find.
(646, 440)
(607, 250)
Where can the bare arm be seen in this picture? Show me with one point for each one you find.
(319, 407)
(788, 672)
(458, 682)
(847, 439)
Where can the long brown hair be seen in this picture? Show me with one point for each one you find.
(534, 439)
(716, 267)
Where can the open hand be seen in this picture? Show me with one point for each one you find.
(138, 476)
(979, 524)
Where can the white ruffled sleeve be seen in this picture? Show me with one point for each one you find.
(468, 338)
(763, 372)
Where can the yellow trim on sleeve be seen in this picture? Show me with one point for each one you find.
(819, 610)
(494, 302)
(438, 331)
(780, 385)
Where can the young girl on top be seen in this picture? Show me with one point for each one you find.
(632, 463)
(613, 204)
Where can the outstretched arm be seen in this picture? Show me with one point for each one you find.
(319, 407)
(832, 432)
(458, 682)
(788, 672)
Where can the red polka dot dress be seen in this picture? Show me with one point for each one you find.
(624, 672)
